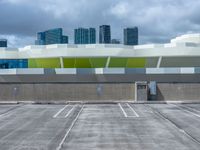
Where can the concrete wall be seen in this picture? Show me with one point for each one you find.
(93, 91)
(109, 78)
(178, 91)
(68, 92)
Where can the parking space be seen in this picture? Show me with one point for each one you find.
(120, 126)
(184, 117)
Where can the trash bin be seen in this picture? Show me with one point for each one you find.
(152, 90)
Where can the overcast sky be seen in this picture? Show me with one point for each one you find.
(158, 20)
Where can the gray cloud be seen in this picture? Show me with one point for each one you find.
(158, 20)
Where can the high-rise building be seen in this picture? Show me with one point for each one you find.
(65, 39)
(81, 36)
(131, 36)
(52, 36)
(92, 36)
(40, 38)
(3, 43)
(115, 41)
(104, 34)
(85, 36)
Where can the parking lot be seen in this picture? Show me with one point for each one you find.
(114, 126)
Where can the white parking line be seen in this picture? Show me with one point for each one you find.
(68, 131)
(10, 111)
(190, 108)
(186, 110)
(60, 111)
(69, 111)
(133, 110)
(120, 106)
(4, 114)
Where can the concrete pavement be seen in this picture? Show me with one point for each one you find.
(120, 126)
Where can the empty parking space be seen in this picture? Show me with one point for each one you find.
(5, 109)
(127, 110)
(193, 107)
(120, 126)
(186, 120)
(65, 111)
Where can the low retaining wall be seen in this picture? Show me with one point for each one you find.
(58, 88)
(108, 78)
(66, 92)
(178, 91)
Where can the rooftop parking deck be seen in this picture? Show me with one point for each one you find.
(113, 126)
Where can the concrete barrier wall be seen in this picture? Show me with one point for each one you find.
(178, 91)
(93, 91)
(68, 92)
(109, 78)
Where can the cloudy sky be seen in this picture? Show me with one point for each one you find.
(158, 20)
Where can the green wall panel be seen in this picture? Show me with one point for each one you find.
(136, 63)
(98, 62)
(44, 63)
(87, 63)
(83, 63)
(118, 62)
(128, 62)
(69, 62)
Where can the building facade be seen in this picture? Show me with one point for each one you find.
(92, 36)
(40, 38)
(13, 63)
(183, 51)
(52, 36)
(104, 34)
(85, 36)
(131, 36)
(65, 39)
(3, 43)
(115, 41)
(81, 36)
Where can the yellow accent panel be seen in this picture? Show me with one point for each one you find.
(136, 63)
(118, 62)
(82, 63)
(87, 62)
(69, 62)
(44, 63)
(98, 62)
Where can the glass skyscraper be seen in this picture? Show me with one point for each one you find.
(92, 36)
(40, 38)
(105, 34)
(131, 36)
(65, 39)
(81, 36)
(53, 36)
(3, 43)
(115, 41)
(85, 36)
